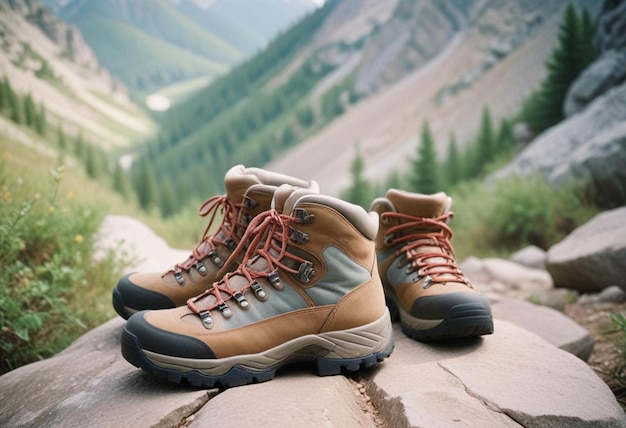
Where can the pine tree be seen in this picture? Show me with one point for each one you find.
(545, 108)
(120, 181)
(4, 95)
(30, 113)
(587, 33)
(16, 113)
(453, 163)
(41, 124)
(505, 142)
(425, 170)
(91, 163)
(167, 201)
(360, 189)
(146, 187)
(485, 142)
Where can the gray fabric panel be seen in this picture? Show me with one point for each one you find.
(343, 275)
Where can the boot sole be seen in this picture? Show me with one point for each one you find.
(332, 353)
(462, 320)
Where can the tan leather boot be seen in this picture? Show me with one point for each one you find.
(423, 286)
(308, 289)
(249, 192)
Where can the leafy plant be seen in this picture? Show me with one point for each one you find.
(46, 268)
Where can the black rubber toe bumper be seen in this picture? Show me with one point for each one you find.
(127, 295)
(461, 315)
(144, 336)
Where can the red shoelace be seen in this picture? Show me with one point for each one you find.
(227, 233)
(268, 235)
(427, 247)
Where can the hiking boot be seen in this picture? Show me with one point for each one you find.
(423, 286)
(249, 191)
(308, 290)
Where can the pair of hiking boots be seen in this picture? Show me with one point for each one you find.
(293, 275)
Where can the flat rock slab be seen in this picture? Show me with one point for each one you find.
(547, 323)
(508, 378)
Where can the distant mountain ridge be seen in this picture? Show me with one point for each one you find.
(152, 44)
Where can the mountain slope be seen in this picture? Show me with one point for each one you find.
(44, 57)
(148, 44)
(353, 74)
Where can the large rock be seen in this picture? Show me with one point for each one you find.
(590, 145)
(592, 257)
(531, 256)
(506, 379)
(606, 72)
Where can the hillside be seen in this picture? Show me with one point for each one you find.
(353, 73)
(45, 58)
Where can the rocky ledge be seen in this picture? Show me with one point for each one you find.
(530, 372)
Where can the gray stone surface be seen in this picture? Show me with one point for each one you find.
(296, 398)
(505, 278)
(590, 145)
(90, 384)
(531, 256)
(606, 72)
(508, 378)
(549, 324)
(511, 377)
(592, 257)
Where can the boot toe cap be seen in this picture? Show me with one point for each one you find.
(151, 338)
(129, 297)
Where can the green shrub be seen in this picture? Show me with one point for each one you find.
(47, 273)
(501, 217)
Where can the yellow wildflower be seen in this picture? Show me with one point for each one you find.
(51, 209)
(8, 197)
(79, 239)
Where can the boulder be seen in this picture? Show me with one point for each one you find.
(505, 278)
(592, 257)
(590, 145)
(531, 256)
(606, 72)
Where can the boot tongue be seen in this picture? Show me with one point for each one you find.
(237, 182)
(418, 205)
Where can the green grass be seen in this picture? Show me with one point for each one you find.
(496, 219)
